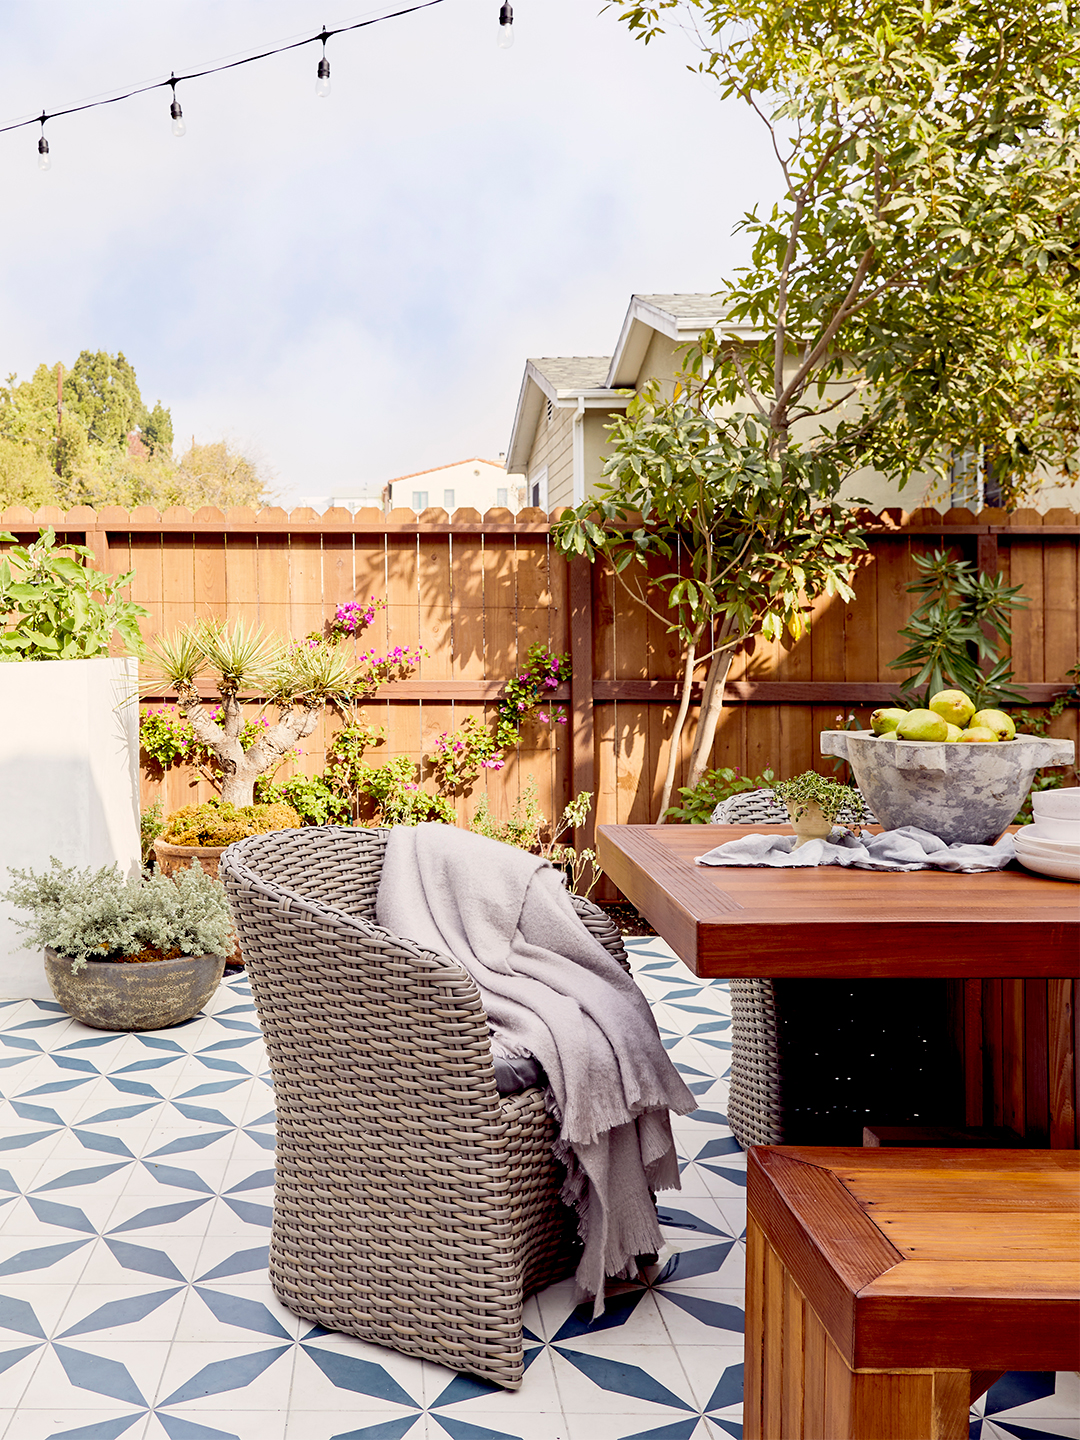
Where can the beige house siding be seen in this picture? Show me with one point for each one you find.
(597, 445)
(554, 448)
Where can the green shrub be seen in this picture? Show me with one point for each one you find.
(217, 822)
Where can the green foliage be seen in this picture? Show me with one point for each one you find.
(916, 279)
(1038, 722)
(99, 915)
(151, 824)
(700, 800)
(948, 632)
(309, 796)
(83, 456)
(217, 822)
(55, 608)
(459, 755)
(527, 694)
(836, 800)
(395, 795)
(528, 829)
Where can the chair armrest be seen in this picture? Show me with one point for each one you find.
(601, 927)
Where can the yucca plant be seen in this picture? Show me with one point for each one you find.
(248, 667)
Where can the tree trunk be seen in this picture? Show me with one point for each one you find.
(240, 768)
(676, 734)
(712, 707)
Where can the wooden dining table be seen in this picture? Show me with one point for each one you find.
(1006, 941)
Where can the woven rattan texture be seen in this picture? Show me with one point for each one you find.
(413, 1206)
(755, 1097)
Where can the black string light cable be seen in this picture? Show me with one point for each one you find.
(179, 128)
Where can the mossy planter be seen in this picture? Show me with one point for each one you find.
(134, 995)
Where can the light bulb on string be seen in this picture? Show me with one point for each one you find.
(322, 83)
(179, 127)
(44, 159)
(506, 26)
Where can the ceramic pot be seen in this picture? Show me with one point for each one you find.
(807, 821)
(134, 995)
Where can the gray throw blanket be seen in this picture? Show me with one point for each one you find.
(906, 848)
(551, 990)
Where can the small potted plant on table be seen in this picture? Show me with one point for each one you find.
(816, 804)
(126, 953)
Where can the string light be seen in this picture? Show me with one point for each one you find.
(179, 128)
(506, 26)
(322, 83)
(178, 125)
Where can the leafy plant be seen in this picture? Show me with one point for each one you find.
(836, 800)
(700, 800)
(218, 822)
(1037, 722)
(948, 632)
(300, 680)
(99, 915)
(313, 800)
(151, 824)
(55, 608)
(527, 695)
(527, 828)
(459, 756)
(397, 797)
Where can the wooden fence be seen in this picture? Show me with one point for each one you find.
(475, 591)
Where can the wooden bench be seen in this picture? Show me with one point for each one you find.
(886, 1289)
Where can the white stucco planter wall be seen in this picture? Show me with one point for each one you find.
(69, 783)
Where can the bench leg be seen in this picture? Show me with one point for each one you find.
(799, 1387)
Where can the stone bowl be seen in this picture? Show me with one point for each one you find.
(964, 794)
(134, 995)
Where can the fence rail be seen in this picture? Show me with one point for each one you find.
(477, 590)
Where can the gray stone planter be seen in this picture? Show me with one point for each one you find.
(121, 995)
(964, 794)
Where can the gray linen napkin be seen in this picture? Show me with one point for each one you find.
(907, 848)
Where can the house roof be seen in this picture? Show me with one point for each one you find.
(605, 381)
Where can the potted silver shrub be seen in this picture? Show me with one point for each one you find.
(126, 954)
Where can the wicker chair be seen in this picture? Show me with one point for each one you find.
(790, 1037)
(414, 1206)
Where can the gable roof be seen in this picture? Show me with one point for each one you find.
(607, 381)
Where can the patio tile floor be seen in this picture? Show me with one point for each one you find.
(136, 1180)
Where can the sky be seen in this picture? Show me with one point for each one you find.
(348, 288)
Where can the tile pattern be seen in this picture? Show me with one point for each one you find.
(136, 1176)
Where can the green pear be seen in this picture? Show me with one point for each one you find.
(954, 734)
(995, 720)
(978, 735)
(922, 725)
(953, 706)
(884, 721)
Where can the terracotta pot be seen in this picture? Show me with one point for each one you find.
(807, 821)
(134, 995)
(178, 857)
(171, 858)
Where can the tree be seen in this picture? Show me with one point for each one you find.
(926, 155)
(77, 452)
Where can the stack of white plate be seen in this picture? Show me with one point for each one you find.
(1051, 846)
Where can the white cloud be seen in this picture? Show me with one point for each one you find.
(352, 285)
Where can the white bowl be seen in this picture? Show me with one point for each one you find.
(1047, 827)
(1058, 869)
(1023, 840)
(1057, 804)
